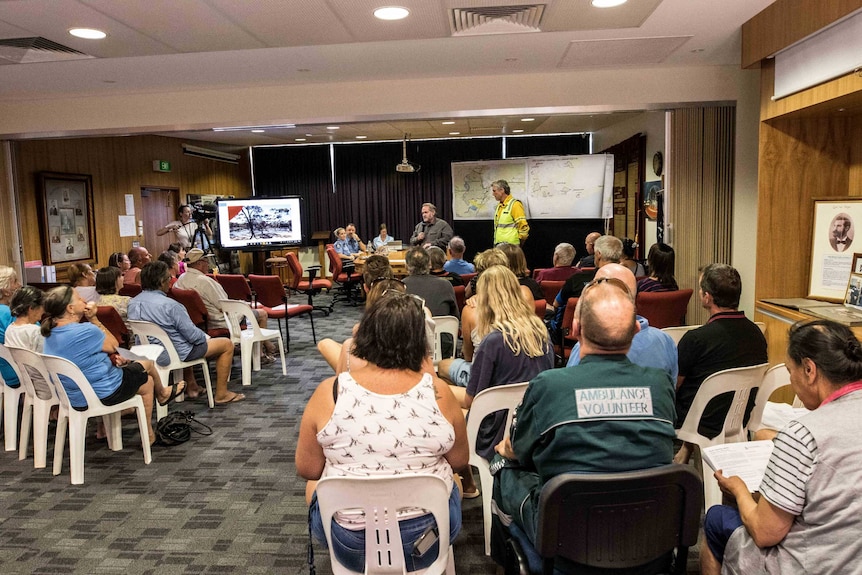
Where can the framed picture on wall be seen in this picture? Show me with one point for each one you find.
(833, 244)
(66, 217)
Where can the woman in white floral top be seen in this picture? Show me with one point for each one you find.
(109, 281)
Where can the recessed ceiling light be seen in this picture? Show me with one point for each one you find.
(258, 131)
(333, 127)
(511, 59)
(87, 33)
(391, 13)
(308, 135)
(528, 119)
(447, 123)
(607, 3)
(361, 137)
(454, 133)
(300, 139)
(517, 131)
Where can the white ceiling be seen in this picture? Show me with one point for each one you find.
(187, 45)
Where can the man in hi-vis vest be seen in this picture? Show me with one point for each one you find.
(510, 221)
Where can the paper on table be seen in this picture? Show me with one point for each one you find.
(746, 460)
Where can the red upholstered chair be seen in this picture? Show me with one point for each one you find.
(347, 282)
(562, 352)
(664, 308)
(541, 307)
(130, 290)
(270, 295)
(460, 296)
(111, 319)
(467, 278)
(312, 286)
(551, 289)
(193, 303)
(235, 285)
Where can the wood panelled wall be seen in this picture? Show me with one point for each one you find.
(8, 236)
(700, 188)
(118, 166)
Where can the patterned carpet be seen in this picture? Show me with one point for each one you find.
(227, 503)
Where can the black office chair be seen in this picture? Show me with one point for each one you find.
(605, 523)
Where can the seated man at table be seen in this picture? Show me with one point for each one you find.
(153, 305)
(602, 416)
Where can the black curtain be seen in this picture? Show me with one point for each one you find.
(368, 190)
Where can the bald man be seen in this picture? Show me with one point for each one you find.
(601, 416)
(651, 347)
(589, 261)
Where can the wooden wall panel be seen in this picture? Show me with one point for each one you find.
(800, 160)
(785, 22)
(118, 166)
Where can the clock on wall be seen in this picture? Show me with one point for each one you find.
(657, 163)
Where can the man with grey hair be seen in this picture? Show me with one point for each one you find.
(431, 231)
(456, 263)
(608, 250)
(564, 254)
(439, 295)
(510, 220)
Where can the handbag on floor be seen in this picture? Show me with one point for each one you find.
(177, 426)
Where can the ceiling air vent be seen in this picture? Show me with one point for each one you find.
(36, 49)
(496, 20)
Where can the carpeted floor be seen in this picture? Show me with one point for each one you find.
(227, 503)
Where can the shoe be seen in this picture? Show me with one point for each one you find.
(471, 494)
(175, 391)
(236, 397)
(266, 359)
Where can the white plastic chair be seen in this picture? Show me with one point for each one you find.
(444, 324)
(776, 377)
(38, 401)
(11, 399)
(77, 420)
(740, 381)
(249, 339)
(380, 498)
(146, 329)
(485, 403)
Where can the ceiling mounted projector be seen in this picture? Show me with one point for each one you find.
(406, 167)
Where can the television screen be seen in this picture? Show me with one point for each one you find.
(259, 223)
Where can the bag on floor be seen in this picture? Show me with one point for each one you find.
(177, 426)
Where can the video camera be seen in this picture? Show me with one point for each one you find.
(202, 211)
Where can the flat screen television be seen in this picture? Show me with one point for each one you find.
(259, 223)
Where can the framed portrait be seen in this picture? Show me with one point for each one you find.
(66, 217)
(853, 295)
(833, 244)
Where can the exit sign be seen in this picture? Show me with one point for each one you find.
(161, 166)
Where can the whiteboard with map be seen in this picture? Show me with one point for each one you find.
(550, 187)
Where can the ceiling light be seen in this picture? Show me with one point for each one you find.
(332, 127)
(258, 131)
(361, 137)
(391, 13)
(87, 33)
(308, 135)
(607, 3)
(448, 122)
(244, 128)
(528, 119)
(300, 139)
(517, 131)
(454, 133)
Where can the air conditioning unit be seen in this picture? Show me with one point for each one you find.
(215, 155)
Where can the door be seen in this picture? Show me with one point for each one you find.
(158, 207)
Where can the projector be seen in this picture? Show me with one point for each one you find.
(406, 168)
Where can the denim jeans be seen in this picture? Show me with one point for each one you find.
(349, 546)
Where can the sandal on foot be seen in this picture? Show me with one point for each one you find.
(236, 397)
(471, 494)
(175, 391)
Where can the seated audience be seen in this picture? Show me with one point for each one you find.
(26, 306)
(346, 248)
(178, 249)
(83, 279)
(153, 305)
(88, 346)
(172, 260)
(384, 396)
(455, 250)
(109, 281)
(809, 514)
(438, 294)
(564, 255)
(661, 262)
(353, 237)
(651, 347)
(437, 258)
(138, 258)
(119, 260)
(554, 431)
(382, 239)
(9, 284)
(518, 265)
(488, 259)
(628, 258)
(588, 261)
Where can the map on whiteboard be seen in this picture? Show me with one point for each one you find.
(471, 186)
(570, 185)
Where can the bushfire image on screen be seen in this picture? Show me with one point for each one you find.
(256, 223)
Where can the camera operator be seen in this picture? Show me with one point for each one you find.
(184, 228)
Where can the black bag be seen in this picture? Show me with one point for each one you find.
(177, 426)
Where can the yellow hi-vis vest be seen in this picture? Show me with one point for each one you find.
(505, 228)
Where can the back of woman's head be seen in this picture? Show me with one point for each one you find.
(662, 261)
(391, 334)
(171, 258)
(629, 247)
(175, 247)
(515, 258)
(106, 280)
(77, 273)
(831, 346)
(25, 299)
(490, 258)
(437, 257)
(500, 306)
(55, 303)
(381, 285)
(116, 259)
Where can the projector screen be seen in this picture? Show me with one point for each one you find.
(259, 223)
